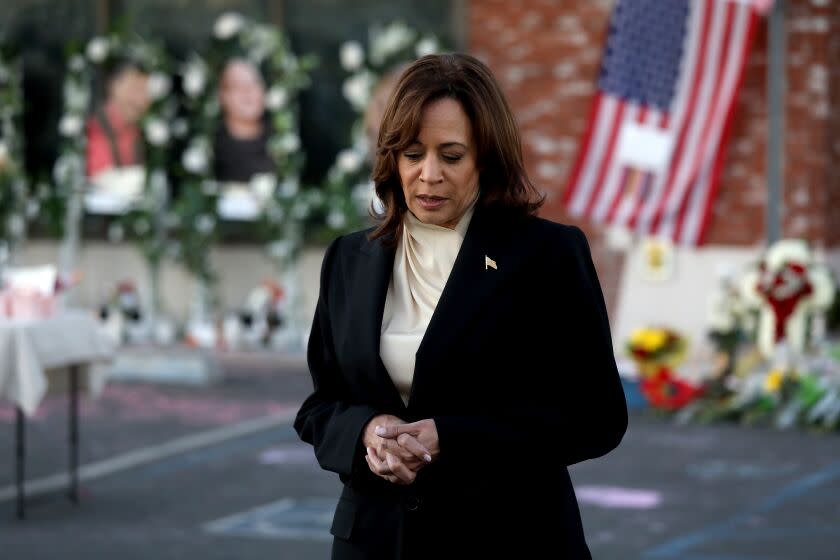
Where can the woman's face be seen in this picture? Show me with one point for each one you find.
(438, 171)
(242, 92)
(128, 92)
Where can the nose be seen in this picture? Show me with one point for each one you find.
(431, 171)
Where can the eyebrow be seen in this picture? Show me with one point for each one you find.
(444, 145)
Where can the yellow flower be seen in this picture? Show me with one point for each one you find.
(649, 340)
(773, 381)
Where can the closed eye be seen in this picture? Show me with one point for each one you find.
(452, 158)
(413, 156)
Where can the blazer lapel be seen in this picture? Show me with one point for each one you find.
(378, 261)
(472, 282)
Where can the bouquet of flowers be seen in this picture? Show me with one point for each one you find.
(658, 351)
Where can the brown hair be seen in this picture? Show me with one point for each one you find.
(502, 177)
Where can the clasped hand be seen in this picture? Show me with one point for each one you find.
(396, 451)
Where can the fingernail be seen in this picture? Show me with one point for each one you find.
(369, 452)
(427, 458)
(380, 431)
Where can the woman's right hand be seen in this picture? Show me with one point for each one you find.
(398, 465)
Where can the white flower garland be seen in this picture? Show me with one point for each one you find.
(146, 221)
(16, 205)
(285, 206)
(348, 186)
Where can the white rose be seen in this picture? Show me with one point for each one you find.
(157, 132)
(289, 142)
(276, 98)
(205, 223)
(70, 125)
(357, 89)
(195, 159)
(97, 49)
(67, 167)
(194, 81)
(394, 38)
(76, 96)
(349, 161)
(336, 219)
(426, 45)
(351, 56)
(228, 25)
(262, 185)
(289, 187)
(158, 85)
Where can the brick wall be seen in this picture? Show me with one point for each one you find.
(738, 211)
(808, 135)
(546, 55)
(832, 208)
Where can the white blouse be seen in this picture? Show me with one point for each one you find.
(425, 256)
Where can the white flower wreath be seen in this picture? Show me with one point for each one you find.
(201, 199)
(141, 217)
(16, 205)
(348, 187)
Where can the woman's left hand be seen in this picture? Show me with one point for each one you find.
(400, 438)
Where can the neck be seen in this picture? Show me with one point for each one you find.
(244, 129)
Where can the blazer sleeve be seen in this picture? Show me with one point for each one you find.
(588, 415)
(327, 419)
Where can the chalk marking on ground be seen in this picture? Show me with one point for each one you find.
(150, 454)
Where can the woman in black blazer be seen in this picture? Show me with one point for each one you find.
(460, 352)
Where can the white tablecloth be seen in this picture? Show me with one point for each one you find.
(28, 348)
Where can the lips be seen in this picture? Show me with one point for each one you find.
(429, 202)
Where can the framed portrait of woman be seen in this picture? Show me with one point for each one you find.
(242, 164)
(114, 158)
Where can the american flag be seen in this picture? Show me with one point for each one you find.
(651, 157)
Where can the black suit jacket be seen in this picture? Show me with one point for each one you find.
(517, 370)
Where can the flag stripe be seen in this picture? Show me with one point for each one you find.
(670, 223)
(697, 236)
(583, 151)
(615, 127)
(729, 64)
(603, 122)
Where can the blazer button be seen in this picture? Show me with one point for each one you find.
(412, 503)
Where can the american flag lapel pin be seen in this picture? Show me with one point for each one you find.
(489, 263)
